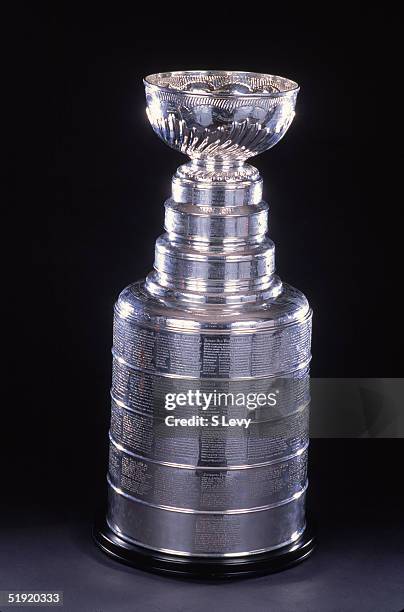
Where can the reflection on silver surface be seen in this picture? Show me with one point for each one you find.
(212, 317)
(225, 115)
(202, 534)
(261, 443)
(204, 489)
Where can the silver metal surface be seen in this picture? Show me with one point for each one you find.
(220, 115)
(203, 534)
(261, 443)
(212, 318)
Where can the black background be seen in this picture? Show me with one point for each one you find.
(87, 192)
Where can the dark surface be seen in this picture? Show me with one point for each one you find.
(355, 494)
(355, 569)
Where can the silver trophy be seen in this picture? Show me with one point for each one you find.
(210, 392)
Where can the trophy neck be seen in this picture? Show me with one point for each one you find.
(215, 249)
(217, 183)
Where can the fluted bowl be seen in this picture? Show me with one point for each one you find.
(220, 115)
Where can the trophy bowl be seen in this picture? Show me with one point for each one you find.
(216, 115)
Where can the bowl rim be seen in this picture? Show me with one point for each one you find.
(294, 87)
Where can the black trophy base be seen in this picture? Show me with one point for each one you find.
(203, 567)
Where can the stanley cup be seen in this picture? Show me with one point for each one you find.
(210, 390)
